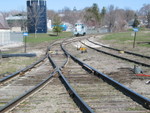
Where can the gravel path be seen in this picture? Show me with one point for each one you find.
(52, 99)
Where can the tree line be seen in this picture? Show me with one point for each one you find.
(114, 18)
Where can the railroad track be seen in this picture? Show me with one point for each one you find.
(12, 92)
(132, 57)
(7, 78)
(127, 52)
(100, 96)
(16, 87)
(119, 70)
(12, 76)
(124, 72)
(51, 99)
(53, 93)
(85, 88)
(88, 87)
(58, 62)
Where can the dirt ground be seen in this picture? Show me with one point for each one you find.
(13, 64)
(117, 69)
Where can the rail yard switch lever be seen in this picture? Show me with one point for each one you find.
(137, 70)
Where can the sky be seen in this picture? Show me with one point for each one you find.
(8, 5)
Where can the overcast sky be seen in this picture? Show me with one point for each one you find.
(8, 5)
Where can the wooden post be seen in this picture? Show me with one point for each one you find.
(134, 39)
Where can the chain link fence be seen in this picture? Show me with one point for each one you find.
(8, 37)
(97, 31)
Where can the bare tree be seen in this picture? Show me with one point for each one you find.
(110, 18)
(145, 11)
(23, 21)
(129, 15)
(3, 22)
(66, 15)
(115, 19)
(120, 20)
(51, 14)
(71, 16)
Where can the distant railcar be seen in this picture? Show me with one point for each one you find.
(79, 30)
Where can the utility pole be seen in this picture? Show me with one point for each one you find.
(25, 34)
(134, 39)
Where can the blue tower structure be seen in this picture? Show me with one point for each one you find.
(36, 16)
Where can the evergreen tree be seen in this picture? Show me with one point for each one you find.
(136, 22)
(93, 15)
(74, 9)
(103, 12)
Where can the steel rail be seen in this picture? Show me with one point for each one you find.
(76, 98)
(128, 52)
(123, 58)
(145, 102)
(22, 70)
(54, 65)
(19, 99)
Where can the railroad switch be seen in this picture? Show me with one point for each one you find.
(83, 50)
(56, 75)
(139, 72)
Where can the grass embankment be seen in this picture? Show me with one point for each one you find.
(46, 37)
(11, 65)
(128, 37)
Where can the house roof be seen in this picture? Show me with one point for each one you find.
(16, 18)
(3, 22)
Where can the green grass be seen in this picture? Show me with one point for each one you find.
(46, 37)
(119, 36)
(13, 64)
(133, 109)
(126, 37)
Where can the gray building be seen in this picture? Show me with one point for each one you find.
(17, 23)
(36, 16)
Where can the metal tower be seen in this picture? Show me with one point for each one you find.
(36, 16)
